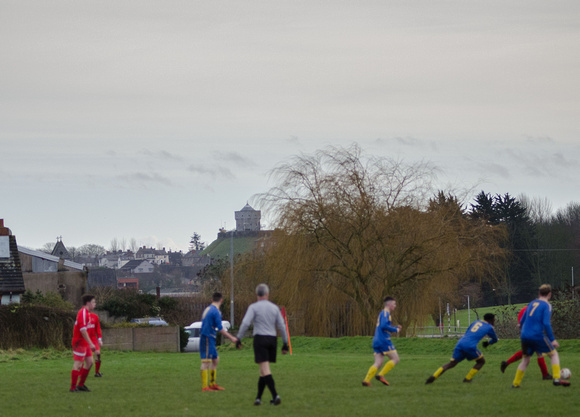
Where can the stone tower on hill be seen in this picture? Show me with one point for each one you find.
(248, 219)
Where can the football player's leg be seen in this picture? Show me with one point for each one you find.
(393, 360)
(373, 369)
(479, 362)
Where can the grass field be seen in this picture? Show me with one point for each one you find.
(322, 378)
(466, 317)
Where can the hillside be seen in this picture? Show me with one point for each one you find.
(220, 248)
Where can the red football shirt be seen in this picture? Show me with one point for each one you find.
(82, 322)
(94, 329)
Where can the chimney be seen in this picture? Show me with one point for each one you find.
(4, 231)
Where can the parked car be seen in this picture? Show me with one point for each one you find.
(154, 321)
(194, 330)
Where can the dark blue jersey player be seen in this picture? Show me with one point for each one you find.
(466, 348)
(382, 344)
(537, 336)
(211, 324)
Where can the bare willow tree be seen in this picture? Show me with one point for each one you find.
(353, 229)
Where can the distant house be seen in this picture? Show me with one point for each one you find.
(116, 260)
(110, 260)
(47, 273)
(156, 256)
(11, 278)
(138, 266)
(123, 283)
(60, 250)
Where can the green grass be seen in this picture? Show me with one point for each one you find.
(220, 248)
(321, 378)
(466, 317)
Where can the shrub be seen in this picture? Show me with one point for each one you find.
(50, 299)
(565, 313)
(28, 326)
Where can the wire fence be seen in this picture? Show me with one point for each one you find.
(436, 331)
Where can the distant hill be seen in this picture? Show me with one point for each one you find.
(220, 248)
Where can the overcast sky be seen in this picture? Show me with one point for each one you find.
(156, 119)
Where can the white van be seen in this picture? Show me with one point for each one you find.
(194, 330)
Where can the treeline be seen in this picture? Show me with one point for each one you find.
(354, 228)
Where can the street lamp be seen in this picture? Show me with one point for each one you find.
(468, 312)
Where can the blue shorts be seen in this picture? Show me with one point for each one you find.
(207, 348)
(460, 353)
(543, 347)
(384, 348)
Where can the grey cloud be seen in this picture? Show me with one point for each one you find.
(560, 160)
(143, 179)
(233, 157)
(293, 140)
(540, 163)
(490, 169)
(216, 172)
(540, 140)
(407, 141)
(161, 155)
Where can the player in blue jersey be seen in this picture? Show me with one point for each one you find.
(466, 348)
(210, 325)
(382, 344)
(537, 336)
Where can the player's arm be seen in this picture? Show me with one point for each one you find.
(230, 336)
(98, 331)
(387, 328)
(547, 325)
(492, 336)
(246, 322)
(85, 335)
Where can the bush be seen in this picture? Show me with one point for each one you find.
(506, 322)
(183, 338)
(29, 326)
(50, 299)
(565, 313)
(131, 304)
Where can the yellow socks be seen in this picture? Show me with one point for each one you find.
(388, 366)
(438, 372)
(204, 379)
(372, 371)
(212, 373)
(556, 371)
(471, 374)
(518, 378)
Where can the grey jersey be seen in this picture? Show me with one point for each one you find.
(266, 317)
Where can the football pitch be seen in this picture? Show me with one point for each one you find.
(322, 378)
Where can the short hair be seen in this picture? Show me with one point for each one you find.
(489, 317)
(262, 290)
(545, 289)
(216, 296)
(387, 299)
(87, 298)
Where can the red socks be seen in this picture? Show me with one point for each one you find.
(517, 356)
(97, 366)
(542, 365)
(74, 376)
(84, 373)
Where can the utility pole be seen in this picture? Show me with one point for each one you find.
(232, 278)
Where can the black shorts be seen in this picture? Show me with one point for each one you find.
(265, 348)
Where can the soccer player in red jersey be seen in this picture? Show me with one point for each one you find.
(518, 355)
(94, 329)
(82, 345)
